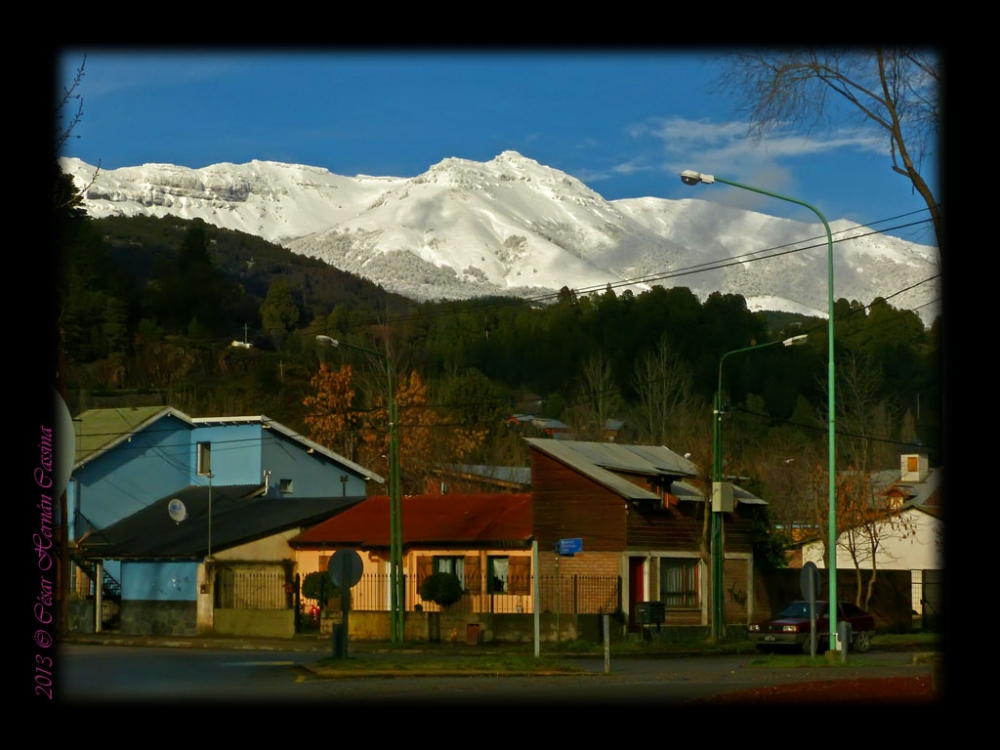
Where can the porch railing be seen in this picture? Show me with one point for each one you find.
(566, 594)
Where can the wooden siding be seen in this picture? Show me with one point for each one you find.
(567, 504)
(680, 528)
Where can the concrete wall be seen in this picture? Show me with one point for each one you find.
(264, 623)
(81, 615)
(486, 628)
(890, 605)
(159, 618)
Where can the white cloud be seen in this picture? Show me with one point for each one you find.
(109, 72)
(632, 166)
(709, 146)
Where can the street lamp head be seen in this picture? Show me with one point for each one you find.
(329, 341)
(796, 340)
(690, 177)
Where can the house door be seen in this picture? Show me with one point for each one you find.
(636, 589)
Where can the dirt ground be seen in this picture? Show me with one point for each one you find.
(881, 690)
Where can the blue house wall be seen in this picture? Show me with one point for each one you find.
(163, 458)
(159, 581)
(131, 475)
(313, 475)
(159, 598)
(236, 453)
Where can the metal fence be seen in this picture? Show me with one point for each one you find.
(237, 588)
(566, 594)
(931, 599)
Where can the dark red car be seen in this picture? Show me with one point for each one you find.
(791, 627)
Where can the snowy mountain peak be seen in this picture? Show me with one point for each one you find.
(514, 226)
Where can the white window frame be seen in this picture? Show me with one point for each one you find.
(451, 564)
(204, 459)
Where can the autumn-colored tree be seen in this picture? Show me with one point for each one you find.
(475, 415)
(420, 439)
(331, 418)
(425, 435)
(868, 518)
(865, 517)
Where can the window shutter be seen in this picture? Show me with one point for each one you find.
(425, 567)
(473, 574)
(520, 575)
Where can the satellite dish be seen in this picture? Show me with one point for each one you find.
(176, 510)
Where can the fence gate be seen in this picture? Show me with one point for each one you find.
(251, 587)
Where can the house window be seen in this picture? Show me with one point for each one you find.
(498, 574)
(679, 583)
(285, 486)
(204, 459)
(454, 565)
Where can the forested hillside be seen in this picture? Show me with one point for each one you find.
(150, 308)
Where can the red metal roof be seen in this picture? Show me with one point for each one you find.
(483, 518)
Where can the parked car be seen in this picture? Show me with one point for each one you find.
(791, 627)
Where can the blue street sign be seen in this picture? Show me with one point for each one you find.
(570, 546)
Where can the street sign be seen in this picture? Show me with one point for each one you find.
(345, 568)
(570, 546)
(809, 581)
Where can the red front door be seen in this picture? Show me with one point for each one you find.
(636, 589)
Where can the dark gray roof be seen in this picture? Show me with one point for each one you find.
(239, 516)
(508, 474)
(686, 491)
(599, 461)
(651, 460)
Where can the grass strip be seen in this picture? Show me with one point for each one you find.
(487, 664)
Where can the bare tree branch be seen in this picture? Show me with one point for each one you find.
(63, 132)
(895, 90)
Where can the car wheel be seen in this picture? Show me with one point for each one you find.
(862, 641)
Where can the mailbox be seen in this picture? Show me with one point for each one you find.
(650, 613)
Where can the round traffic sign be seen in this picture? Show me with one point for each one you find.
(345, 568)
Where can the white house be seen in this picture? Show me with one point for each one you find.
(910, 538)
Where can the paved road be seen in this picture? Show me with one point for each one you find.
(102, 674)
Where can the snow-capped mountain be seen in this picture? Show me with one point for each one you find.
(513, 226)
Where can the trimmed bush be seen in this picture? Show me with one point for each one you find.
(441, 588)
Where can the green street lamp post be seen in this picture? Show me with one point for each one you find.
(396, 581)
(690, 177)
(718, 604)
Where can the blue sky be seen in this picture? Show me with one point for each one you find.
(623, 123)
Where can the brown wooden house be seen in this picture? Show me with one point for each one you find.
(640, 513)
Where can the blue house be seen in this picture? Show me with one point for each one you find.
(187, 519)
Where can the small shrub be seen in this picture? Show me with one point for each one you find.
(441, 588)
(319, 587)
